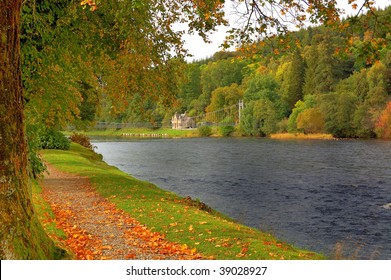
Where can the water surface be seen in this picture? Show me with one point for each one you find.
(311, 193)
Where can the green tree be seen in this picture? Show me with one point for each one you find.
(300, 106)
(21, 235)
(215, 74)
(311, 121)
(261, 86)
(191, 87)
(293, 80)
(56, 66)
(338, 109)
(310, 56)
(377, 83)
(225, 97)
(259, 118)
(363, 121)
(322, 73)
(325, 72)
(221, 73)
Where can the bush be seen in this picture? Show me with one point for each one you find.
(310, 121)
(226, 130)
(204, 131)
(54, 139)
(383, 124)
(36, 165)
(82, 140)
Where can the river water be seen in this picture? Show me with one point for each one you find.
(312, 193)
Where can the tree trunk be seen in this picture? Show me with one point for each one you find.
(21, 235)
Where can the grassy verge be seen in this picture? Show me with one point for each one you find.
(175, 133)
(181, 220)
(168, 132)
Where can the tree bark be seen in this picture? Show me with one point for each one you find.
(21, 235)
(15, 200)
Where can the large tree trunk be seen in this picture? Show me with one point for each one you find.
(16, 208)
(21, 235)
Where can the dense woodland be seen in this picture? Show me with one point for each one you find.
(311, 81)
(316, 80)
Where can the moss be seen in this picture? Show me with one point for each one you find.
(34, 244)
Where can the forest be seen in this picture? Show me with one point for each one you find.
(311, 81)
(320, 79)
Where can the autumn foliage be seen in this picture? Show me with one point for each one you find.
(96, 229)
(87, 246)
(383, 125)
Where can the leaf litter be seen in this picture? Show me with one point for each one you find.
(96, 229)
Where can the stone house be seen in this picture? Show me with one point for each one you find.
(182, 121)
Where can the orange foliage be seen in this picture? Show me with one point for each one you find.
(86, 246)
(90, 3)
(383, 125)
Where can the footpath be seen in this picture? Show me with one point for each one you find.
(96, 229)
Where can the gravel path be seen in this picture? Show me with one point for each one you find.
(96, 229)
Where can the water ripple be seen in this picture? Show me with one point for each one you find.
(315, 194)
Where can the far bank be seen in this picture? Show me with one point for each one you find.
(190, 133)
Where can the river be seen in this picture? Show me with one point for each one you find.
(311, 193)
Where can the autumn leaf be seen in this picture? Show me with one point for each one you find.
(73, 215)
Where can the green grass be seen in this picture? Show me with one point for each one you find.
(45, 214)
(180, 220)
(172, 133)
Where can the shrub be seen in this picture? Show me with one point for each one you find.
(383, 124)
(310, 121)
(82, 140)
(36, 165)
(226, 130)
(204, 130)
(54, 139)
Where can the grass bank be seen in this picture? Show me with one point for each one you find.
(180, 219)
(142, 132)
(175, 133)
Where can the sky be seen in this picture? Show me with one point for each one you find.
(199, 49)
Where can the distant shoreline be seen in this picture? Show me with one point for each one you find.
(191, 133)
(302, 136)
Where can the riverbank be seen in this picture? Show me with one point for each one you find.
(181, 220)
(302, 136)
(191, 133)
(141, 133)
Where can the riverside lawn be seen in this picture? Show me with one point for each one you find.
(190, 133)
(181, 220)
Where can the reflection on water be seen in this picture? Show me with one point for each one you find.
(310, 193)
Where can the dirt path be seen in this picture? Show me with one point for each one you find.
(96, 229)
